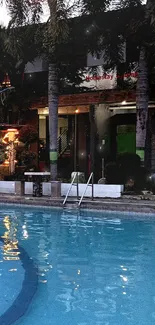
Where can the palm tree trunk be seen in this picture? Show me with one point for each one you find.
(142, 92)
(142, 99)
(53, 117)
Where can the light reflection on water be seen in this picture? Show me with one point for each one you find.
(11, 270)
(10, 247)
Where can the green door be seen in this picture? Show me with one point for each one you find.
(126, 139)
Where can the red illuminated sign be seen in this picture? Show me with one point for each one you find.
(111, 76)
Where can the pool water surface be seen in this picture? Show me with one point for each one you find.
(66, 268)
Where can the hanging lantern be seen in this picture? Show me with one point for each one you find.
(6, 82)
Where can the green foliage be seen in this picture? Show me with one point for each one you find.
(28, 134)
(95, 6)
(128, 161)
(27, 157)
(2, 153)
(126, 170)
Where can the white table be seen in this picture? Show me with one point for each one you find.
(37, 173)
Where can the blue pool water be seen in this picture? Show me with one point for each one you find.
(63, 268)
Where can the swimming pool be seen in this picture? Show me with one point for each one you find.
(66, 268)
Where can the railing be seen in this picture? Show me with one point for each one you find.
(91, 177)
(62, 143)
(72, 183)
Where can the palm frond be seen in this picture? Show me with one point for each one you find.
(23, 11)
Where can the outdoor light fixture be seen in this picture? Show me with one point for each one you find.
(6, 82)
(77, 111)
(10, 139)
(124, 102)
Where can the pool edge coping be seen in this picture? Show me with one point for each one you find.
(128, 206)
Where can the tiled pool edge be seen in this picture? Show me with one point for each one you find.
(129, 206)
(29, 288)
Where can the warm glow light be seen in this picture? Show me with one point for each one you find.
(124, 102)
(10, 136)
(6, 162)
(12, 130)
(77, 111)
(10, 139)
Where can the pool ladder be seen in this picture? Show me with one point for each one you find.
(89, 183)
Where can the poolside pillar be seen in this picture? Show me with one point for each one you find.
(19, 188)
(56, 189)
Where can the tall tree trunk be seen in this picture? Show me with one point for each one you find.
(53, 117)
(142, 92)
(142, 104)
(92, 139)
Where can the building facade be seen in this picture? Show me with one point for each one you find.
(98, 122)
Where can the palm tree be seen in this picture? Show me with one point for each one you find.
(142, 90)
(140, 31)
(55, 31)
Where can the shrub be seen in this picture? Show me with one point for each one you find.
(28, 135)
(127, 171)
(27, 157)
(129, 161)
(111, 173)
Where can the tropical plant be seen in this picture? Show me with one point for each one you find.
(27, 158)
(135, 26)
(28, 135)
(16, 49)
(2, 153)
(55, 32)
(142, 95)
(142, 31)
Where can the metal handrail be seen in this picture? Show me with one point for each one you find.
(75, 175)
(90, 177)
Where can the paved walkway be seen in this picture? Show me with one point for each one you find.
(139, 203)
